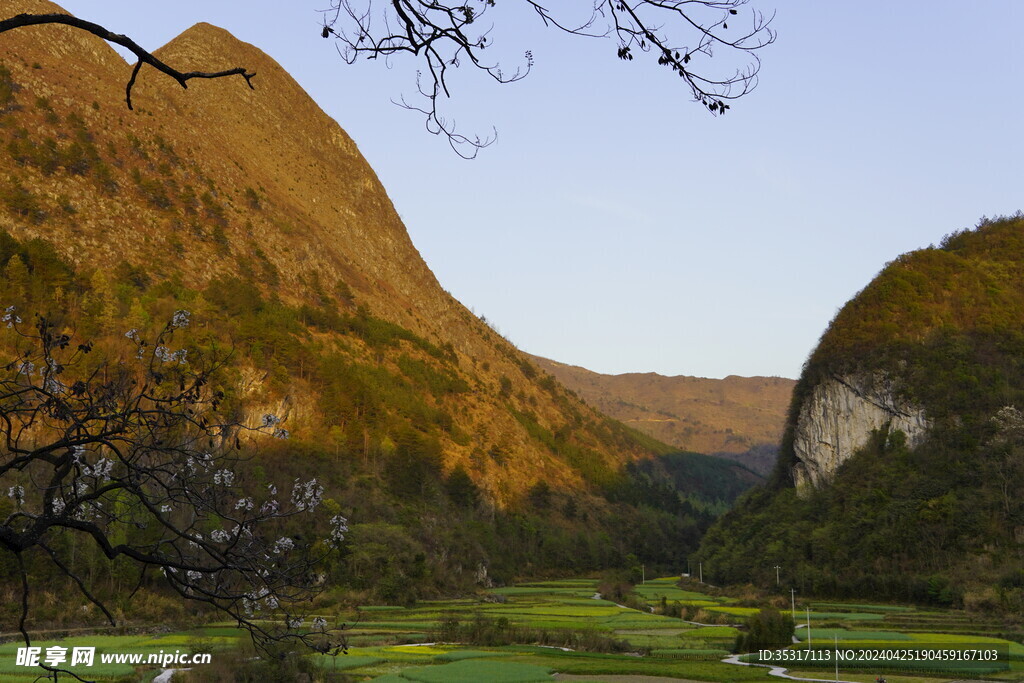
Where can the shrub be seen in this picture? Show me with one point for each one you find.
(768, 628)
(20, 201)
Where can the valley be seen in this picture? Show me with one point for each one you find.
(564, 629)
(240, 415)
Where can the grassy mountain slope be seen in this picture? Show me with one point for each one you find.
(219, 182)
(453, 456)
(737, 417)
(941, 521)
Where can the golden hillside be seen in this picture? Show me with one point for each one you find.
(220, 183)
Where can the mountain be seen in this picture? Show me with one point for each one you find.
(454, 457)
(740, 418)
(218, 182)
(903, 456)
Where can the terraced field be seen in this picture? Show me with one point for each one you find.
(575, 633)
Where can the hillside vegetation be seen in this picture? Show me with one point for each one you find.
(456, 461)
(943, 521)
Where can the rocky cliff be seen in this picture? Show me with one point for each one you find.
(898, 469)
(838, 418)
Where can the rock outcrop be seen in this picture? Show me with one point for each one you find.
(838, 419)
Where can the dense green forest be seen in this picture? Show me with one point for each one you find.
(942, 522)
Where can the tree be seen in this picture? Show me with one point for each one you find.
(134, 456)
(765, 629)
(1004, 462)
(692, 38)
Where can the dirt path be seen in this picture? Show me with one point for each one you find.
(780, 671)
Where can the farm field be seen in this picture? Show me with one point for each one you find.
(573, 633)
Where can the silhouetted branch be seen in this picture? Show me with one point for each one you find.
(682, 34)
(144, 57)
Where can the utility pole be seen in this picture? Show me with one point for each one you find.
(792, 597)
(837, 659)
(777, 568)
(643, 573)
(700, 566)
(808, 628)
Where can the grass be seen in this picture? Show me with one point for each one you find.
(474, 671)
(844, 635)
(672, 647)
(858, 607)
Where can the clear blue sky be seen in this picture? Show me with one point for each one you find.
(618, 226)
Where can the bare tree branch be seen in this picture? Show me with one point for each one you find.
(143, 55)
(683, 35)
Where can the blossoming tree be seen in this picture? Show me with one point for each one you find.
(135, 455)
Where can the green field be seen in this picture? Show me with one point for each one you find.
(531, 631)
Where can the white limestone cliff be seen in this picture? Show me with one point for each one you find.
(838, 418)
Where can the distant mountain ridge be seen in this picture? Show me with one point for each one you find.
(740, 418)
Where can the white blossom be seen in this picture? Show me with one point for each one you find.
(17, 493)
(10, 317)
(282, 545)
(133, 334)
(26, 368)
(193, 575)
(339, 525)
(53, 385)
(165, 508)
(281, 434)
(244, 504)
(57, 506)
(251, 600)
(219, 536)
(167, 356)
(180, 318)
(224, 477)
(270, 420)
(270, 507)
(319, 623)
(101, 470)
(294, 623)
(308, 495)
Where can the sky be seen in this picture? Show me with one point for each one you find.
(616, 225)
